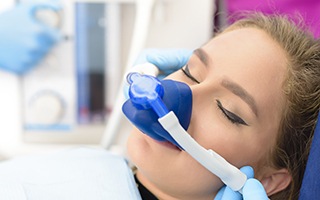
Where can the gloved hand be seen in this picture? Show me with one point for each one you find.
(252, 190)
(24, 39)
(167, 60)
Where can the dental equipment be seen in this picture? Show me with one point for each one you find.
(147, 92)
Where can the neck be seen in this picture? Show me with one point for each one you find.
(163, 194)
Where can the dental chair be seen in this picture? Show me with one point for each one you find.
(84, 173)
(310, 188)
(80, 173)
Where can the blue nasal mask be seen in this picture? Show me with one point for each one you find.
(143, 108)
(162, 110)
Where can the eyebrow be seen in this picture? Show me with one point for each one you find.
(202, 55)
(232, 86)
(242, 93)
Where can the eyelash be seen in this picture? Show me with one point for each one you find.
(186, 72)
(233, 118)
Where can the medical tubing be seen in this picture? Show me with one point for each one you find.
(159, 107)
(229, 174)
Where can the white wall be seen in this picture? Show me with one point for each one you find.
(174, 24)
(185, 24)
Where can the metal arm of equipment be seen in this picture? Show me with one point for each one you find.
(142, 21)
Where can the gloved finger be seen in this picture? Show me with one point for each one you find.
(26, 68)
(229, 194)
(33, 54)
(248, 170)
(220, 193)
(38, 46)
(170, 59)
(253, 190)
(162, 76)
(48, 36)
(19, 67)
(142, 57)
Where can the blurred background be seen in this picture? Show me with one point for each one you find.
(68, 97)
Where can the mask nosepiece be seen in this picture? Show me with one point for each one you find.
(151, 99)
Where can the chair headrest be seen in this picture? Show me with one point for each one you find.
(310, 188)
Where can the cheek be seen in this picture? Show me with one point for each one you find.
(238, 145)
(135, 146)
(237, 150)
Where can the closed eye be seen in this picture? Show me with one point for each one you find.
(233, 118)
(186, 72)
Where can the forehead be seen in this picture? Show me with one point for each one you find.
(250, 43)
(250, 57)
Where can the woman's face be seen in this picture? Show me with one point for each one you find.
(237, 105)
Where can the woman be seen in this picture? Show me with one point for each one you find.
(255, 102)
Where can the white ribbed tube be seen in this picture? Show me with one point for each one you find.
(229, 174)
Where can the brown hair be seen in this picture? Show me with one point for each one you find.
(302, 89)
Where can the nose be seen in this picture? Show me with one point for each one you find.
(177, 97)
(200, 105)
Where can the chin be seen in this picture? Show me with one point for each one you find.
(137, 145)
(152, 157)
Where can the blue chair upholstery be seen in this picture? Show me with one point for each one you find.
(311, 182)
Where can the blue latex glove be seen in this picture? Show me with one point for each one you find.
(24, 39)
(252, 190)
(167, 60)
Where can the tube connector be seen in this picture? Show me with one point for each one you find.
(147, 91)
